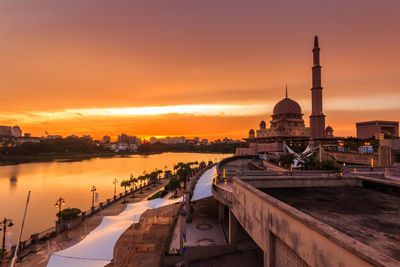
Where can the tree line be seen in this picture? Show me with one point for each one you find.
(211, 148)
(58, 145)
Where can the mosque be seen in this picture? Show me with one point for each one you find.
(287, 124)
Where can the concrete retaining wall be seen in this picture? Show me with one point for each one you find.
(199, 253)
(301, 181)
(353, 158)
(267, 219)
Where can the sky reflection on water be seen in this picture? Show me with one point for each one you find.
(73, 180)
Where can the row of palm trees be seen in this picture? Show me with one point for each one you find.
(185, 170)
(182, 170)
(142, 180)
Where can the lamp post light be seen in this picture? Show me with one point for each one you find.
(60, 202)
(93, 190)
(4, 223)
(115, 187)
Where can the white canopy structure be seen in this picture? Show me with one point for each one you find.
(96, 249)
(203, 186)
(298, 158)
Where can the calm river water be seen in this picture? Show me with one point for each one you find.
(73, 180)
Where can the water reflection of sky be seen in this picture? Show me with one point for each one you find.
(73, 180)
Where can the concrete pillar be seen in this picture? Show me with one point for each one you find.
(233, 229)
(221, 212)
(182, 230)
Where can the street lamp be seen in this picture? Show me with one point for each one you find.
(6, 222)
(115, 187)
(60, 202)
(93, 190)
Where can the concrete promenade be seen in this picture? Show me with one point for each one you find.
(73, 236)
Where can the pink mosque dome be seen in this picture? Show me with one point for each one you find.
(287, 106)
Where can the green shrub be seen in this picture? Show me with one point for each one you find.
(159, 194)
(329, 165)
(68, 214)
(287, 159)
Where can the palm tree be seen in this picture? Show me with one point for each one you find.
(159, 175)
(125, 184)
(141, 179)
(174, 184)
(153, 177)
(133, 182)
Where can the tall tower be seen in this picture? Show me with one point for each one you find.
(317, 118)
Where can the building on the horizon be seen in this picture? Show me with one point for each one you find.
(169, 140)
(57, 136)
(368, 129)
(5, 130)
(287, 123)
(128, 139)
(124, 143)
(16, 131)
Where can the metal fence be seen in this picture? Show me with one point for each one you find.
(28, 245)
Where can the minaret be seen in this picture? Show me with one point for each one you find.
(317, 118)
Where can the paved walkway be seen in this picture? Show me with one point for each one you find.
(204, 230)
(73, 236)
(145, 243)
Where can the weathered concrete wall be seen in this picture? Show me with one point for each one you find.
(256, 148)
(223, 196)
(199, 253)
(353, 158)
(389, 149)
(301, 181)
(266, 219)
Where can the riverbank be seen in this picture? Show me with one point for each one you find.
(73, 236)
(70, 157)
(48, 157)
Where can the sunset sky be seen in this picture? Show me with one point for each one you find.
(209, 68)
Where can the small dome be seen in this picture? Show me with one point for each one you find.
(262, 125)
(287, 106)
(251, 131)
(329, 131)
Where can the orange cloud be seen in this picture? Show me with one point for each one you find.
(69, 57)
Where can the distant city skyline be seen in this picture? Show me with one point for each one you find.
(187, 68)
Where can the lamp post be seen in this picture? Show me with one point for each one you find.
(60, 202)
(6, 222)
(93, 190)
(115, 187)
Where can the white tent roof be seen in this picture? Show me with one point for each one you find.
(97, 248)
(56, 260)
(203, 186)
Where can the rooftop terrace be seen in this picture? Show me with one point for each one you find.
(368, 216)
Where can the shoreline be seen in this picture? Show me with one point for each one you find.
(14, 160)
(73, 236)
